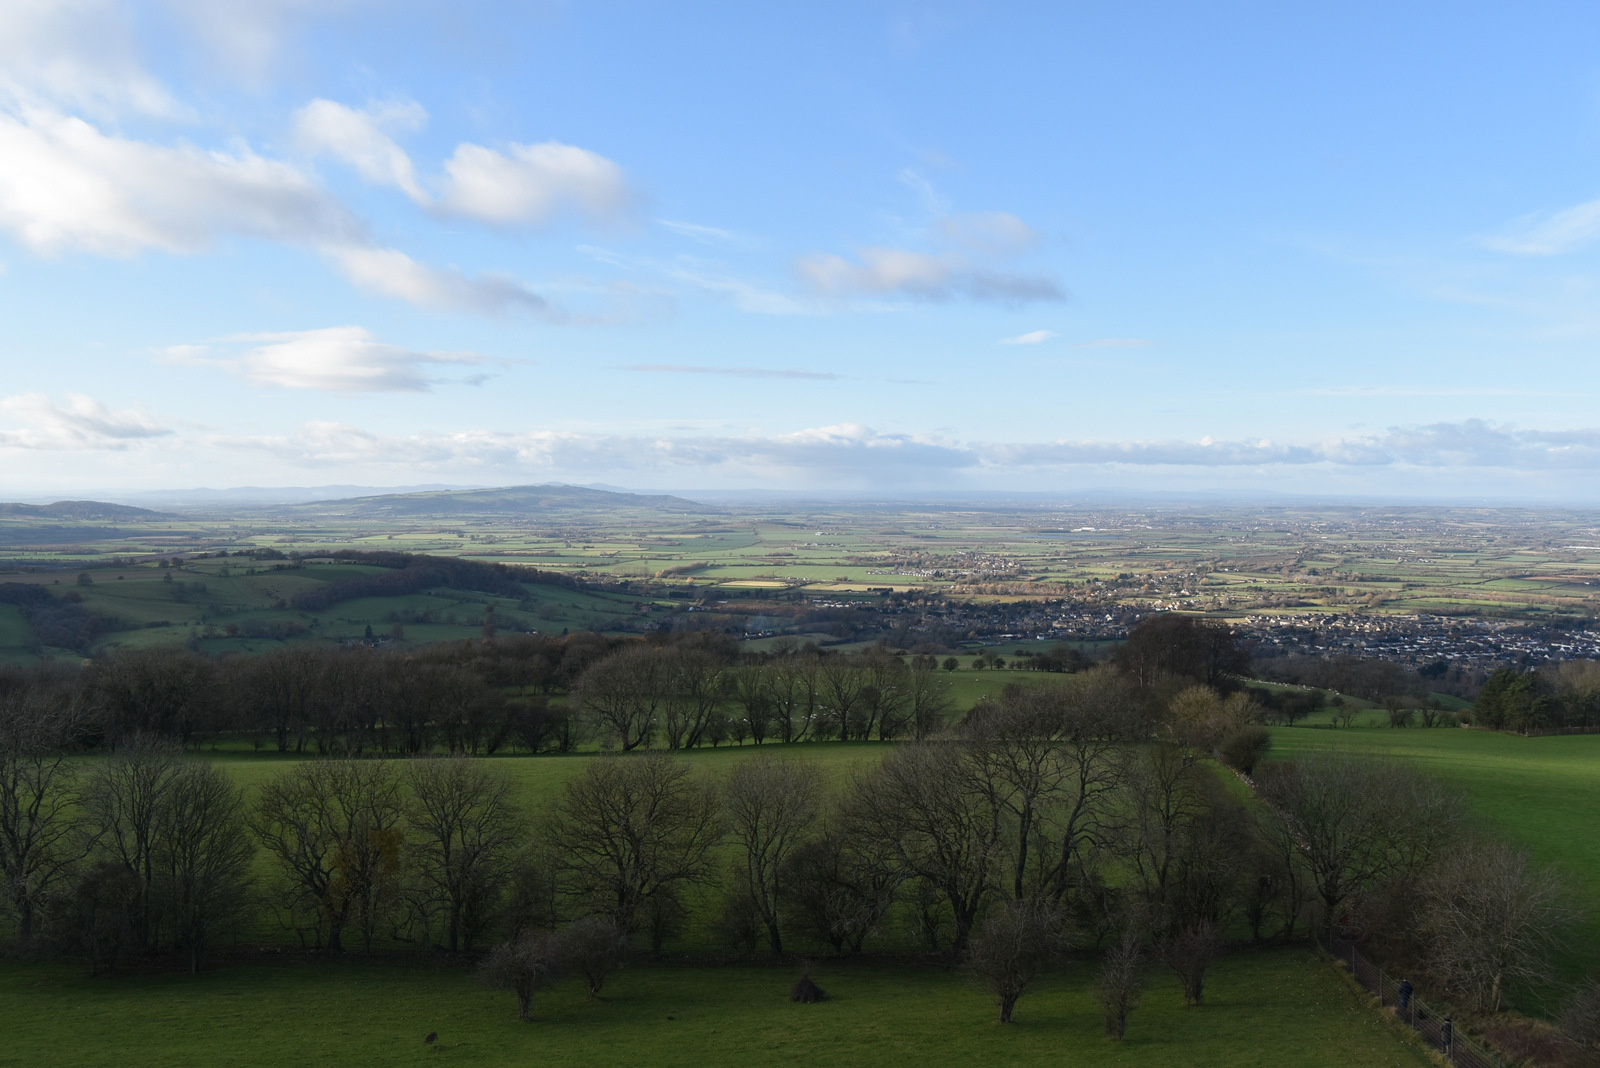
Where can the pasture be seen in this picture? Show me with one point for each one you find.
(1276, 1007)
(1541, 792)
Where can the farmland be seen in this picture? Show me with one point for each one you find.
(992, 570)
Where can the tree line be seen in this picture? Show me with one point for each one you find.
(1084, 811)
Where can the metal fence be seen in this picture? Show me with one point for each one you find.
(1435, 1026)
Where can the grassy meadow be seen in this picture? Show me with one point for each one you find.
(1277, 1007)
(1541, 792)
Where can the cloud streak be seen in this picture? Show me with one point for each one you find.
(339, 359)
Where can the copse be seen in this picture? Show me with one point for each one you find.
(1355, 821)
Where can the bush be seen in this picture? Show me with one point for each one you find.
(1243, 749)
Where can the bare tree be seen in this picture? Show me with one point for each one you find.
(126, 802)
(1490, 917)
(1357, 820)
(840, 888)
(840, 682)
(203, 855)
(930, 808)
(39, 799)
(1118, 986)
(696, 689)
(624, 695)
(632, 830)
(1017, 941)
(594, 947)
(334, 828)
(770, 805)
(528, 965)
(465, 826)
(1189, 953)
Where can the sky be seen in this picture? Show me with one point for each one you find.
(1245, 248)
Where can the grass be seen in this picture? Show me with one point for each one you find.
(1272, 1008)
(1542, 792)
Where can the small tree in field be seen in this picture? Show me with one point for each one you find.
(594, 947)
(1189, 953)
(525, 966)
(1013, 945)
(1118, 986)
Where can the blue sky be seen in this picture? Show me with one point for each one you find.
(1139, 246)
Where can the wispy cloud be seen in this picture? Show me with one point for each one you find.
(731, 372)
(81, 423)
(339, 359)
(880, 271)
(1549, 233)
(708, 235)
(1032, 337)
(962, 262)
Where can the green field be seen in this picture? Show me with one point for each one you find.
(1542, 792)
(1273, 1008)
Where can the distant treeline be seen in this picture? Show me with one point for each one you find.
(408, 573)
(62, 622)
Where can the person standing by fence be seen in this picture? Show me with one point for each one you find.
(1406, 990)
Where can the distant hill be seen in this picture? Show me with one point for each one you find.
(508, 500)
(80, 510)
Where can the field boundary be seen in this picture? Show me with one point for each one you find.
(1435, 1027)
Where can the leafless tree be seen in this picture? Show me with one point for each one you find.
(796, 690)
(594, 947)
(840, 888)
(126, 800)
(334, 828)
(696, 689)
(1491, 917)
(770, 805)
(624, 694)
(1017, 941)
(1189, 953)
(929, 696)
(840, 683)
(465, 826)
(1118, 986)
(203, 856)
(1356, 820)
(40, 841)
(633, 829)
(929, 807)
(528, 965)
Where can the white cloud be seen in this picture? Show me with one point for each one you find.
(896, 271)
(361, 139)
(245, 37)
(531, 183)
(387, 272)
(66, 185)
(341, 359)
(81, 423)
(1551, 233)
(78, 53)
(1032, 337)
